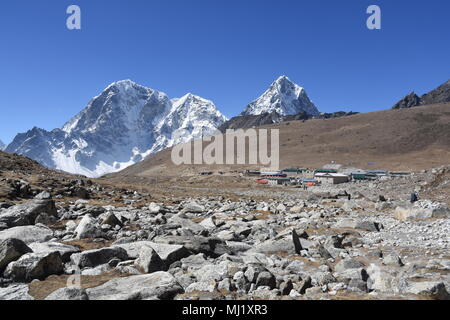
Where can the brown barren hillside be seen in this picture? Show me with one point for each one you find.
(408, 140)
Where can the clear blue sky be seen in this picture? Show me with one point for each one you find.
(228, 51)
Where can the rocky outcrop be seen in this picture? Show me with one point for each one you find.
(411, 100)
(439, 95)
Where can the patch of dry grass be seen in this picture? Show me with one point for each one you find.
(41, 289)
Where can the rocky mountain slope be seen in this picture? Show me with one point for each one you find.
(251, 121)
(118, 128)
(2, 145)
(439, 95)
(415, 139)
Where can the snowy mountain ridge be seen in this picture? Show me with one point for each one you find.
(283, 97)
(118, 128)
(127, 122)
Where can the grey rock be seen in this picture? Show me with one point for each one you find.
(266, 279)
(154, 208)
(112, 220)
(252, 273)
(286, 287)
(202, 286)
(169, 253)
(11, 250)
(149, 261)
(304, 285)
(297, 243)
(187, 224)
(322, 278)
(161, 285)
(418, 213)
(226, 285)
(68, 294)
(434, 290)
(65, 250)
(15, 292)
(193, 262)
(96, 257)
(193, 207)
(35, 266)
(393, 260)
(28, 234)
(26, 213)
(88, 228)
(347, 264)
(44, 195)
(208, 223)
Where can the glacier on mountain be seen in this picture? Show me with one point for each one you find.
(120, 127)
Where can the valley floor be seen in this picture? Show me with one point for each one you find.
(223, 238)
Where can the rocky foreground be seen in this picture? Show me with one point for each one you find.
(62, 244)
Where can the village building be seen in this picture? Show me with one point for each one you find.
(331, 178)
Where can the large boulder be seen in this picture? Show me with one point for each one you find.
(197, 244)
(422, 210)
(47, 247)
(149, 261)
(187, 224)
(193, 207)
(275, 246)
(355, 224)
(169, 253)
(348, 264)
(35, 266)
(96, 257)
(28, 234)
(68, 294)
(433, 290)
(15, 292)
(157, 285)
(11, 250)
(88, 228)
(26, 213)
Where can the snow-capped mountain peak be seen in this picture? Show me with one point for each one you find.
(2, 145)
(283, 97)
(118, 128)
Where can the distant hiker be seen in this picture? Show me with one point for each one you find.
(414, 197)
(349, 197)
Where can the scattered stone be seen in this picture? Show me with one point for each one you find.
(26, 213)
(68, 294)
(28, 234)
(266, 279)
(434, 290)
(160, 285)
(34, 266)
(15, 292)
(88, 228)
(96, 257)
(64, 250)
(149, 261)
(11, 250)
